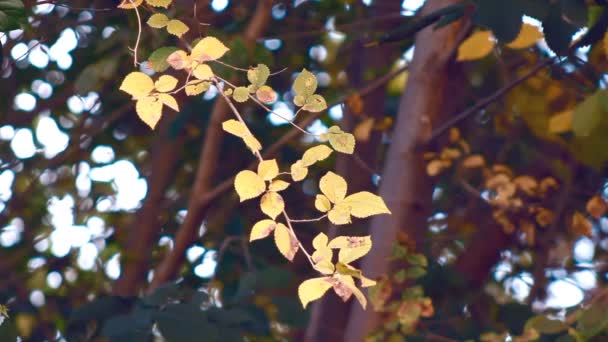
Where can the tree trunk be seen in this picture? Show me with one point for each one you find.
(406, 188)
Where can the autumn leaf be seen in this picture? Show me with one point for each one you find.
(278, 185)
(313, 289)
(177, 27)
(179, 60)
(316, 154)
(272, 204)
(561, 122)
(149, 109)
(196, 87)
(305, 84)
(137, 84)
(322, 203)
(333, 186)
(158, 20)
(169, 101)
(159, 3)
(339, 214)
(268, 169)
(203, 72)
(258, 75)
(476, 46)
(130, 4)
(341, 141)
(252, 143)
(235, 127)
(208, 49)
(364, 204)
(165, 83)
(351, 247)
(285, 241)
(528, 36)
(298, 171)
(262, 229)
(240, 94)
(266, 94)
(249, 185)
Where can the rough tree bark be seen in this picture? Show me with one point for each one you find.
(405, 186)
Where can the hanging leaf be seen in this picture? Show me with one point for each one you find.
(235, 127)
(333, 186)
(313, 289)
(341, 141)
(478, 45)
(305, 84)
(266, 94)
(159, 3)
(240, 94)
(315, 103)
(249, 185)
(208, 49)
(258, 75)
(351, 247)
(528, 36)
(268, 169)
(322, 203)
(137, 84)
(298, 171)
(158, 59)
(262, 229)
(177, 27)
(363, 130)
(196, 87)
(158, 20)
(165, 83)
(339, 214)
(169, 101)
(149, 110)
(272, 204)
(203, 72)
(130, 4)
(179, 60)
(316, 154)
(278, 185)
(285, 242)
(252, 143)
(364, 204)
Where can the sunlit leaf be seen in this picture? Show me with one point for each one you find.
(476, 46)
(266, 94)
(364, 204)
(240, 94)
(130, 4)
(165, 83)
(272, 204)
(341, 141)
(179, 60)
(322, 203)
(285, 241)
(158, 20)
(315, 103)
(528, 36)
(315, 154)
(249, 185)
(333, 186)
(203, 72)
(305, 84)
(177, 27)
(159, 3)
(313, 289)
(262, 229)
(278, 185)
(137, 84)
(348, 282)
(298, 171)
(169, 101)
(351, 247)
(268, 169)
(149, 109)
(208, 49)
(339, 214)
(195, 87)
(252, 143)
(258, 75)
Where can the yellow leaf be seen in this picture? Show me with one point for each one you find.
(177, 27)
(179, 60)
(169, 101)
(333, 186)
(278, 185)
(235, 127)
(561, 122)
(364, 129)
(351, 247)
(528, 36)
(137, 84)
(349, 283)
(286, 243)
(158, 20)
(272, 204)
(320, 241)
(322, 203)
(349, 270)
(268, 169)
(252, 143)
(130, 4)
(249, 185)
(262, 229)
(364, 204)
(341, 141)
(477, 46)
(315, 154)
(159, 3)
(339, 214)
(324, 266)
(473, 161)
(208, 49)
(149, 110)
(313, 289)
(298, 171)
(165, 83)
(203, 72)
(196, 87)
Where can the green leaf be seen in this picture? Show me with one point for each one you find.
(158, 59)
(12, 14)
(504, 18)
(558, 32)
(258, 75)
(305, 84)
(593, 320)
(587, 115)
(240, 94)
